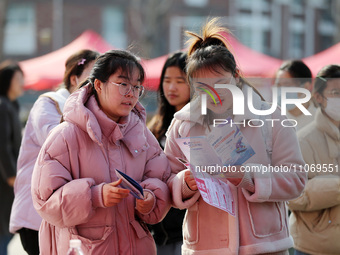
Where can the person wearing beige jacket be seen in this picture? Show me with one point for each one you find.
(315, 218)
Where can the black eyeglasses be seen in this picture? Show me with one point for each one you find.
(125, 88)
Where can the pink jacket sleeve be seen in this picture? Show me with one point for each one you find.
(54, 192)
(182, 196)
(157, 172)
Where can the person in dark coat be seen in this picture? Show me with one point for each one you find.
(11, 87)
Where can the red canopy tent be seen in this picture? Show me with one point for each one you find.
(251, 63)
(323, 58)
(46, 72)
(153, 69)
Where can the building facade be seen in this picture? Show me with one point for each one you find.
(280, 28)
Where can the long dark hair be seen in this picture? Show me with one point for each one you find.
(161, 121)
(76, 64)
(7, 70)
(109, 63)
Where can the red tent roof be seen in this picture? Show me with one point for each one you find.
(47, 71)
(323, 58)
(153, 69)
(251, 63)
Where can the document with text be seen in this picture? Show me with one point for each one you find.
(207, 156)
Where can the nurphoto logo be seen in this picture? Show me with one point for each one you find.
(239, 102)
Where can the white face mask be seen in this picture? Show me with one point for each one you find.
(332, 108)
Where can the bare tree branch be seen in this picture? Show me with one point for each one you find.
(145, 17)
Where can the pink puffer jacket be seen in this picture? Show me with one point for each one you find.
(261, 223)
(77, 159)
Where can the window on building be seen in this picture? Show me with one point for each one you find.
(178, 26)
(327, 12)
(20, 30)
(266, 41)
(297, 42)
(245, 36)
(113, 27)
(244, 4)
(266, 6)
(326, 41)
(297, 7)
(196, 3)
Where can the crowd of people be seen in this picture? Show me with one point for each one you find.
(58, 181)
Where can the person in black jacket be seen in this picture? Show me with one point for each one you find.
(11, 87)
(173, 94)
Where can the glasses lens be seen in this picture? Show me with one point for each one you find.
(140, 91)
(335, 93)
(124, 88)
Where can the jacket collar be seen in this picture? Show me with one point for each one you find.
(103, 125)
(332, 132)
(82, 109)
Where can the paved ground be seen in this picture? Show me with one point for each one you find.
(15, 247)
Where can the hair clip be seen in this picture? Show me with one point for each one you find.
(81, 62)
(321, 78)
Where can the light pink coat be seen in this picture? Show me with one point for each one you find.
(261, 224)
(44, 116)
(77, 159)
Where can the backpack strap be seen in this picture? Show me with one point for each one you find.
(267, 131)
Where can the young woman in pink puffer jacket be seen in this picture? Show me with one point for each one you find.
(74, 185)
(260, 224)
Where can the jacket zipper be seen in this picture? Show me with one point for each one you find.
(125, 202)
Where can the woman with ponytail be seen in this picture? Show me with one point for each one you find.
(260, 223)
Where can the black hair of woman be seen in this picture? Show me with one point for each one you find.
(161, 121)
(112, 61)
(7, 70)
(327, 72)
(298, 70)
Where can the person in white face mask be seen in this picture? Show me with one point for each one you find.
(295, 73)
(315, 217)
